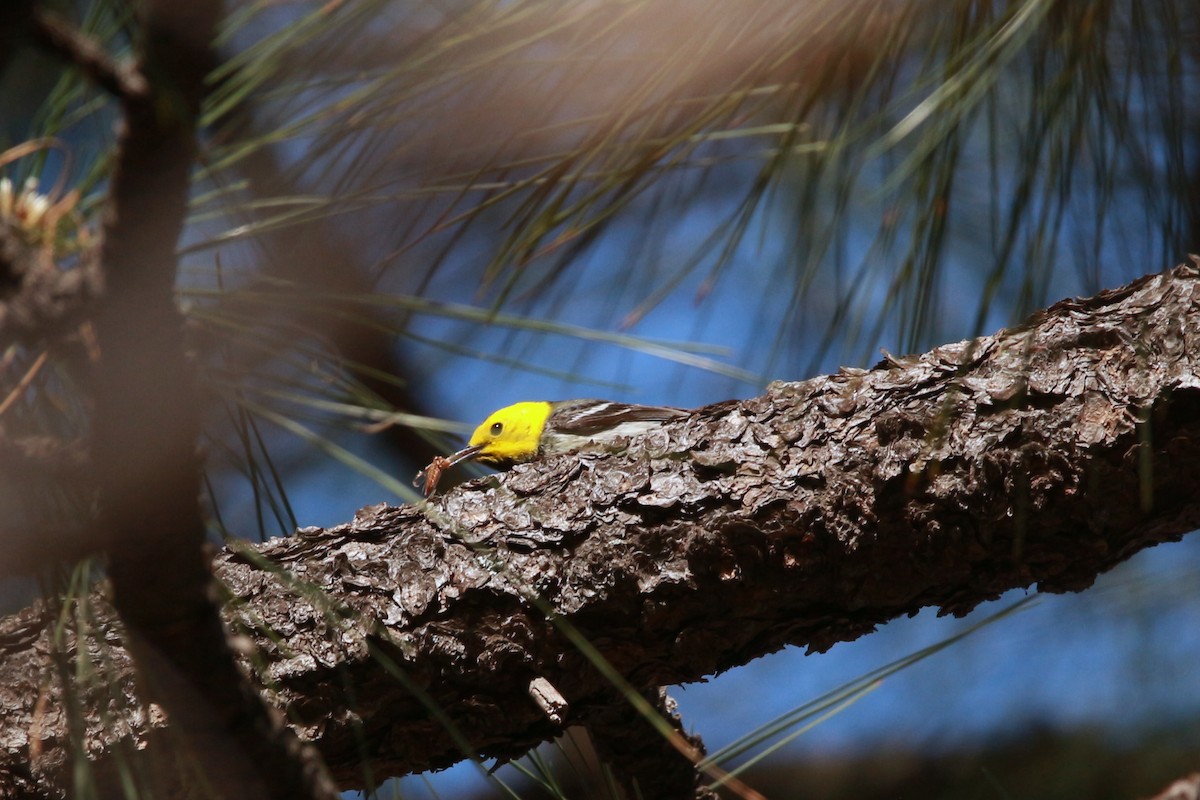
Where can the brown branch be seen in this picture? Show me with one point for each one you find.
(1043, 455)
(146, 425)
(119, 78)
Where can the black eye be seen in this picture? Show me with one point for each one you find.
(497, 427)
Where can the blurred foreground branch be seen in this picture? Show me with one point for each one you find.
(145, 426)
(407, 639)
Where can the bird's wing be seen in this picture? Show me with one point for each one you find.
(587, 417)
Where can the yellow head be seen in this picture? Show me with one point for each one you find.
(511, 435)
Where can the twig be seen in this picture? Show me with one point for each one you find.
(120, 78)
(23, 384)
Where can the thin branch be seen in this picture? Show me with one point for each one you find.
(119, 78)
(13, 396)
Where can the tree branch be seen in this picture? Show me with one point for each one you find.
(1043, 455)
(119, 78)
(145, 431)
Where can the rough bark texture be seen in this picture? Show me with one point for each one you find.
(1045, 454)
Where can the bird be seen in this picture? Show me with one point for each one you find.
(532, 429)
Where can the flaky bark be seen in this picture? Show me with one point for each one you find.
(1045, 454)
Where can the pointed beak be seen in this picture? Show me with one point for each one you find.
(466, 454)
(433, 473)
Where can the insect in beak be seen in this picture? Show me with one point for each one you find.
(433, 473)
